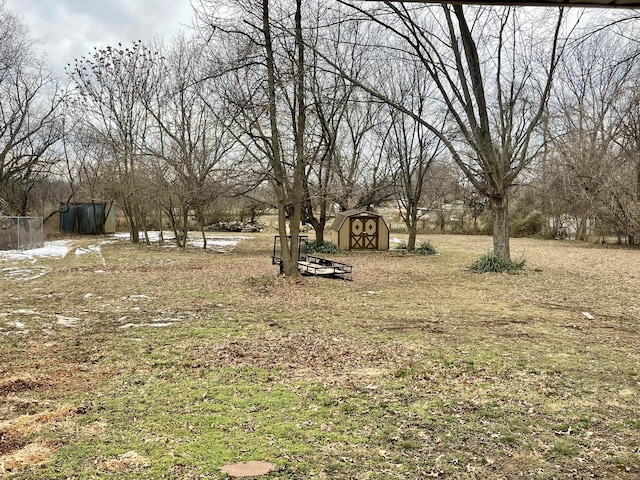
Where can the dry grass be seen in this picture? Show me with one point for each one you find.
(417, 368)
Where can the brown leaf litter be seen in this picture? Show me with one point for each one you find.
(15, 451)
(126, 462)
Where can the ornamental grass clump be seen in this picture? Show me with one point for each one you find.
(422, 248)
(402, 246)
(492, 263)
(425, 248)
(325, 247)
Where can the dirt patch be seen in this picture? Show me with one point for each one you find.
(9, 444)
(17, 384)
(248, 469)
(29, 424)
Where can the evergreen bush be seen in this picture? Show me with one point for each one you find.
(529, 226)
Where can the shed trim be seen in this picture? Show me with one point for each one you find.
(341, 217)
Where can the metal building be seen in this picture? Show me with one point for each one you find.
(90, 218)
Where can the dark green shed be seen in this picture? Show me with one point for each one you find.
(91, 218)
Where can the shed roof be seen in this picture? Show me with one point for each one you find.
(342, 216)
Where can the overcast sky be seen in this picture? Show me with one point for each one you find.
(68, 29)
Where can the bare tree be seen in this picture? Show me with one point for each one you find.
(31, 113)
(591, 132)
(109, 85)
(330, 99)
(187, 140)
(494, 76)
(411, 149)
(622, 200)
(346, 165)
(266, 94)
(363, 174)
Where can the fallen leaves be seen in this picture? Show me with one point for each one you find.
(35, 453)
(15, 452)
(124, 463)
(311, 355)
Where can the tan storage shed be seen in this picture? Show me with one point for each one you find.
(360, 230)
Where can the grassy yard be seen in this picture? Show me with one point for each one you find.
(137, 362)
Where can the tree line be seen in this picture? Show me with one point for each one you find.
(310, 107)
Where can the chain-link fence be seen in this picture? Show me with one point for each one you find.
(20, 233)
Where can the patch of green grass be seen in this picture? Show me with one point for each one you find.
(625, 461)
(563, 448)
(263, 281)
(225, 416)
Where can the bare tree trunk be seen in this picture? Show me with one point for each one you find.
(201, 222)
(143, 224)
(184, 228)
(413, 231)
(134, 231)
(318, 229)
(289, 197)
(500, 221)
(298, 172)
(410, 219)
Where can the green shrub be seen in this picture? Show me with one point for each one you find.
(325, 247)
(490, 262)
(529, 226)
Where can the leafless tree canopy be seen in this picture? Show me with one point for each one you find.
(31, 123)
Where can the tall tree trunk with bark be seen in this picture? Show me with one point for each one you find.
(288, 186)
(500, 222)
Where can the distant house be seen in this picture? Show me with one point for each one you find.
(93, 218)
(360, 230)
